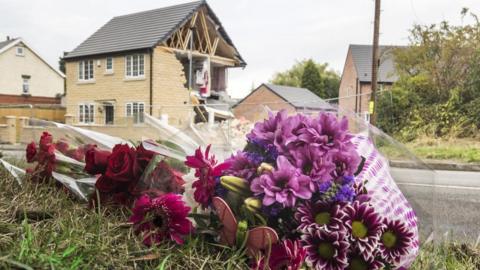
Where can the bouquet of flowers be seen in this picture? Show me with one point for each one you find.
(304, 189)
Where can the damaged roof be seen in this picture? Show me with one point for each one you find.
(143, 30)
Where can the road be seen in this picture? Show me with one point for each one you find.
(447, 202)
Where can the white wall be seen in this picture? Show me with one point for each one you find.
(44, 81)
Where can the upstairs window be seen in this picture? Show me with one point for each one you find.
(134, 66)
(86, 113)
(25, 84)
(109, 65)
(20, 51)
(85, 70)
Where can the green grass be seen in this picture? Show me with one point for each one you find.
(458, 150)
(76, 237)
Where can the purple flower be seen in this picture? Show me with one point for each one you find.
(243, 165)
(365, 227)
(345, 193)
(265, 131)
(325, 250)
(357, 262)
(325, 215)
(283, 185)
(395, 242)
(324, 186)
(288, 255)
(346, 161)
(313, 162)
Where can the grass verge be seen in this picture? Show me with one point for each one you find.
(42, 227)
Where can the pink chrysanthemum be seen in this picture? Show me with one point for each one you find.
(357, 262)
(206, 169)
(365, 227)
(395, 241)
(325, 250)
(325, 215)
(160, 218)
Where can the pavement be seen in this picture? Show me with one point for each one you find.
(447, 202)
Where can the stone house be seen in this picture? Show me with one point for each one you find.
(270, 97)
(139, 63)
(25, 77)
(356, 81)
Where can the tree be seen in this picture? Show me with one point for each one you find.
(311, 79)
(330, 79)
(438, 90)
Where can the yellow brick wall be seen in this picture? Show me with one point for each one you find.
(170, 96)
(253, 107)
(107, 87)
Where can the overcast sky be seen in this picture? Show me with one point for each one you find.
(270, 34)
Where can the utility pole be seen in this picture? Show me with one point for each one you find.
(375, 61)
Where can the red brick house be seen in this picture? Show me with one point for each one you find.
(356, 81)
(270, 97)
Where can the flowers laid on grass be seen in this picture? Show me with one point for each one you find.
(293, 197)
(297, 176)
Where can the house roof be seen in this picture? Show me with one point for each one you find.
(295, 96)
(362, 58)
(142, 30)
(7, 44)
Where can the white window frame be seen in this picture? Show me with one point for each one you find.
(108, 70)
(139, 119)
(135, 66)
(82, 115)
(20, 53)
(86, 67)
(25, 82)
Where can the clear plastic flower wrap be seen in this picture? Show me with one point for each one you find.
(317, 178)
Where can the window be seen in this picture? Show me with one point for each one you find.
(20, 51)
(134, 66)
(86, 113)
(136, 109)
(25, 84)
(85, 70)
(109, 65)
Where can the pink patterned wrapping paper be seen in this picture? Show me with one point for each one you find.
(386, 196)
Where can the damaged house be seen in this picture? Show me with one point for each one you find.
(140, 63)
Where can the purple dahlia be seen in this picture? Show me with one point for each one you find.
(325, 215)
(325, 250)
(365, 227)
(313, 162)
(395, 241)
(243, 165)
(284, 185)
(265, 131)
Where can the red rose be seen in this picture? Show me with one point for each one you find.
(31, 152)
(143, 157)
(96, 161)
(62, 146)
(120, 163)
(45, 140)
(104, 184)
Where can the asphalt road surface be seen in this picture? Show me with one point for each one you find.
(446, 202)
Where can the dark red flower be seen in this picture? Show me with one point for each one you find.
(96, 161)
(120, 164)
(45, 140)
(163, 179)
(161, 218)
(286, 255)
(62, 146)
(143, 157)
(205, 170)
(31, 152)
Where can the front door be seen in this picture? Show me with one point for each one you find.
(109, 114)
